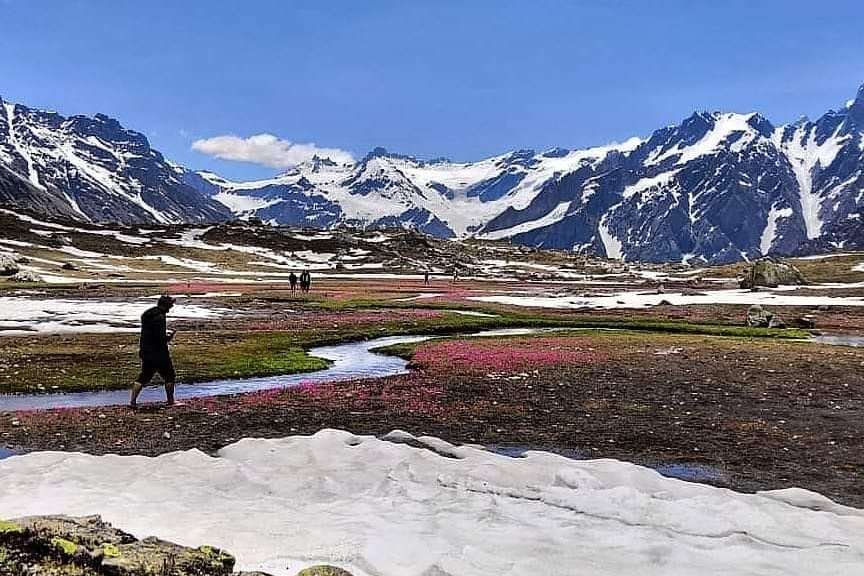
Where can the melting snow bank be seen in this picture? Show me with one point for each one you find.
(644, 299)
(22, 315)
(387, 508)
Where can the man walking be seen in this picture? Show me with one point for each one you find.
(153, 350)
(292, 280)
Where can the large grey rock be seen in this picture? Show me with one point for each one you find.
(771, 273)
(759, 317)
(87, 546)
(8, 266)
(26, 276)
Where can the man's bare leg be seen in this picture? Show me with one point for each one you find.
(169, 392)
(136, 390)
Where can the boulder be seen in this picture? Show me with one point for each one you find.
(323, 570)
(87, 546)
(807, 321)
(8, 266)
(771, 273)
(26, 276)
(759, 317)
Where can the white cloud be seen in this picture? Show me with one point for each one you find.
(267, 150)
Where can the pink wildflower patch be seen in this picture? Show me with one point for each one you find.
(509, 355)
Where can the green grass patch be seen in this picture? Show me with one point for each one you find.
(7, 527)
(67, 547)
(404, 350)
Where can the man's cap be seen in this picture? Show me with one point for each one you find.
(166, 300)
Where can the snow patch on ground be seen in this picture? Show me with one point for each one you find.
(21, 315)
(390, 509)
(644, 300)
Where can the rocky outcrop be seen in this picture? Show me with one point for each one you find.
(759, 317)
(87, 546)
(26, 276)
(771, 273)
(8, 266)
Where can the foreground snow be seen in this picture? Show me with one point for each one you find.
(383, 508)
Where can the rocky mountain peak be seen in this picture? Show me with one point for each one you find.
(856, 110)
(761, 124)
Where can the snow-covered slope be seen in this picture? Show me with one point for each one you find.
(386, 508)
(718, 187)
(91, 169)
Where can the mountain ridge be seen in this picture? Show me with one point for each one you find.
(718, 187)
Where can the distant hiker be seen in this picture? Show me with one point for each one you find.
(426, 277)
(455, 274)
(153, 350)
(305, 281)
(292, 280)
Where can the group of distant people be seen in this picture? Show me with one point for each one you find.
(427, 276)
(305, 281)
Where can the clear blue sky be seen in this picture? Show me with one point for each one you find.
(462, 79)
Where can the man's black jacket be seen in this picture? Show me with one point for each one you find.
(154, 336)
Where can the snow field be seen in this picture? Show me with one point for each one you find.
(388, 509)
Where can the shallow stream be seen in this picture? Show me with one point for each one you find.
(349, 361)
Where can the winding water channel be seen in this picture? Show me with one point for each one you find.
(349, 361)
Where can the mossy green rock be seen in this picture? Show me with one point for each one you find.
(323, 570)
(67, 546)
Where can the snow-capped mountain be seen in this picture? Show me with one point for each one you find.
(91, 169)
(718, 187)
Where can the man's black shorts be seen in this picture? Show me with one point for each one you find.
(149, 367)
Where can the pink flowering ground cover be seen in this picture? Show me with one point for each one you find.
(504, 355)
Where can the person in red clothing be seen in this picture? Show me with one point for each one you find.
(153, 350)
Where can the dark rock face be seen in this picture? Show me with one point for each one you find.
(417, 219)
(62, 545)
(91, 169)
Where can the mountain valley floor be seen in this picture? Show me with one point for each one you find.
(687, 389)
